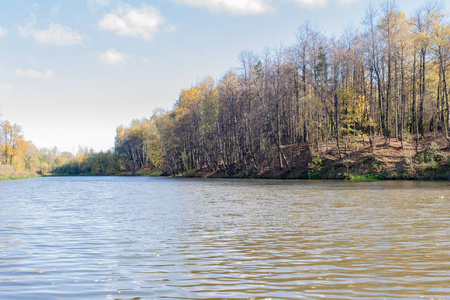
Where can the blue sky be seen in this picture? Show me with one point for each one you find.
(72, 71)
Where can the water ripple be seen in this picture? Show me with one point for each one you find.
(162, 238)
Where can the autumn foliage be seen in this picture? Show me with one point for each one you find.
(387, 78)
(289, 110)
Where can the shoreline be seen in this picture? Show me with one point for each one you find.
(18, 177)
(353, 178)
(364, 160)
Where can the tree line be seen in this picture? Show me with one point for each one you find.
(386, 78)
(21, 158)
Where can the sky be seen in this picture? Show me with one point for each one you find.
(72, 71)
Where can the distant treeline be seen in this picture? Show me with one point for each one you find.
(387, 78)
(20, 158)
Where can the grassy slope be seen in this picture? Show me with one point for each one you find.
(392, 161)
(8, 173)
(360, 161)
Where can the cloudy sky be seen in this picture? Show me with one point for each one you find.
(72, 71)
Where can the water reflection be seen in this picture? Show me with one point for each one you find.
(147, 238)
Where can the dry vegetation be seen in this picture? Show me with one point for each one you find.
(360, 162)
(8, 172)
(308, 110)
(429, 159)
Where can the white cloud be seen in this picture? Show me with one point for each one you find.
(55, 34)
(129, 21)
(32, 74)
(347, 1)
(236, 7)
(98, 2)
(5, 88)
(94, 5)
(322, 2)
(113, 57)
(311, 2)
(3, 32)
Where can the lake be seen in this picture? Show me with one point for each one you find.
(169, 238)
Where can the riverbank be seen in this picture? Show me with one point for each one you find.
(427, 159)
(359, 160)
(8, 173)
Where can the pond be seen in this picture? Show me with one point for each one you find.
(169, 238)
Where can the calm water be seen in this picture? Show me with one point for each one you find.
(155, 238)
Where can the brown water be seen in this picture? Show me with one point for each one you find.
(156, 238)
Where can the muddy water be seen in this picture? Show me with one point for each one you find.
(156, 238)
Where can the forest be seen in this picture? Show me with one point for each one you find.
(20, 158)
(324, 107)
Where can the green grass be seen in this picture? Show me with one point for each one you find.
(365, 177)
(16, 177)
(314, 176)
